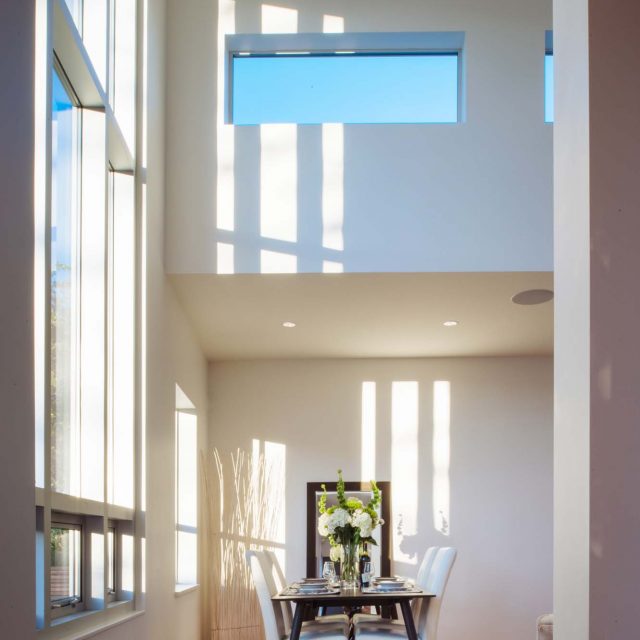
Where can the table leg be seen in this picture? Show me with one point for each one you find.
(298, 617)
(405, 607)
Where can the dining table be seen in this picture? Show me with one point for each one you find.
(306, 603)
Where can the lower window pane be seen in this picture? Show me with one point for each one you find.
(65, 566)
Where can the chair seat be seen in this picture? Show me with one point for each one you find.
(360, 618)
(394, 629)
(341, 618)
(375, 623)
(320, 633)
(338, 623)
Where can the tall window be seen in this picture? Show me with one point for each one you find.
(186, 492)
(86, 536)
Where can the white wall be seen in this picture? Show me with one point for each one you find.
(572, 326)
(17, 495)
(500, 468)
(476, 196)
(597, 370)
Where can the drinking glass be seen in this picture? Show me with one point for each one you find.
(329, 572)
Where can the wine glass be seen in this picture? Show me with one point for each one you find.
(329, 572)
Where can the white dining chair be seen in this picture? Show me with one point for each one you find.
(272, 618)
(429, 612)
(339, 619)
(423, 575)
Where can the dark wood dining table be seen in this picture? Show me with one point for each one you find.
(306, 603)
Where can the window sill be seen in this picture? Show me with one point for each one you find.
(60, 631)
(183, 589)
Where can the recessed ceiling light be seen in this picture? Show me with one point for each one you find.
(532, 296)
(450, 323)
(289, 325)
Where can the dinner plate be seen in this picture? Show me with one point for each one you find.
(303, 587)
(398, 589)
(391, 586)
(316, 591)
(313, 581)
(388, 579)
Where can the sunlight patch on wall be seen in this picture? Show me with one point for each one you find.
(268, 480)
(368, 432)
(276, 262)
(142, 358)
(404, 466)
(225, 206)
(126, 567)
(275, 470)
(332, 186)
(279, 181)
(441, 455)
(332, 24)
(97, 566)
(225, 258)
(144, 81)
(279, 19)
(328, 266)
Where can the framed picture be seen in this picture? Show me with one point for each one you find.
(318, 547)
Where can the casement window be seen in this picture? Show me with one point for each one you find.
(88, 534)
(345, 78)
(66, 567)
(186, 493)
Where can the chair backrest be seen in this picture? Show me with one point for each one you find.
(424, 572)
(427, 626)
(281, 583)
(272, 618)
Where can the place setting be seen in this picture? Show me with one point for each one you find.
(313, 586)
(390, 584)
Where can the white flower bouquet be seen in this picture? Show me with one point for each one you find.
(348, 525)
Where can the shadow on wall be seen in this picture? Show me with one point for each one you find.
(244, 503)
(258, 224)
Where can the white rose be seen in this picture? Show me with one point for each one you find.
(323, 525)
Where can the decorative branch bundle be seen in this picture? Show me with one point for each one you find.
(243, 507)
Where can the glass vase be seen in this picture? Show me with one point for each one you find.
(349, 565)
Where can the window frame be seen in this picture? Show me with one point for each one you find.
(60, 49)
(338, 44)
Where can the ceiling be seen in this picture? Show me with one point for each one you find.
(366, 315)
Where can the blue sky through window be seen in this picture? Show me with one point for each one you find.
(351, 88)
(548, 87)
